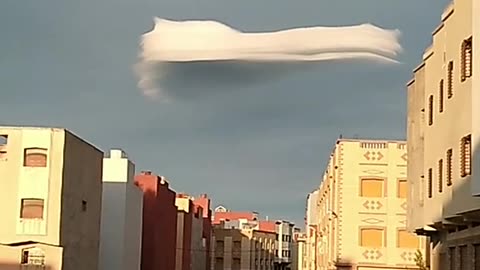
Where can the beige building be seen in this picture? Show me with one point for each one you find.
(50, 200)
(311, 224)
(362, 208)
(442, 135)
(242, 249)
(299, 256)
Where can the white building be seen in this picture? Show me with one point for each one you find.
(122, 207)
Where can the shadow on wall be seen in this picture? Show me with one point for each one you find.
(460, 212)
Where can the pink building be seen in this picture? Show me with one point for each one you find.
(159, 236)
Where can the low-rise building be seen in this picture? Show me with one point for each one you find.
(299, 257)
(242, 249)
(50, 199)
(122, 211)
(362, 203)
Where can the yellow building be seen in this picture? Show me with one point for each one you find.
(443, 103)
(50, 200)
(362, 208)
(242, 249)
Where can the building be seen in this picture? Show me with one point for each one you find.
(159, 232)
(205, 203)
(223, 214)
(362, 203)
(311, 223)
(192, 251)
(442, 134)
(122, 211)
(51, 197)
(299, 257)
(242, 249)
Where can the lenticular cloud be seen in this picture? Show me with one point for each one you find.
(173, 44)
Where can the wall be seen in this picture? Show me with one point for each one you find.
(122, 206)
(159, 235)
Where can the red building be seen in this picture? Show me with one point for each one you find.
(204, 202)
(159, 223)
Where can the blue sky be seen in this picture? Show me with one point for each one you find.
(262, 148)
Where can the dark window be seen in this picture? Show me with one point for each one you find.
(449, 170)
(440, 176)
(466, 156)
(466, 57)
(450, 80)
(430, 184)
(440, 96)
(430, 110)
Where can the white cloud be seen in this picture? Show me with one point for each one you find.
(169, 51)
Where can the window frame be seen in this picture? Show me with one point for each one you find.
(377, 228)
(22, 208)
(372, 178)
(28, 154)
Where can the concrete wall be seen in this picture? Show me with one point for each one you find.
(69, 184)
(159, 230)
(122, 206)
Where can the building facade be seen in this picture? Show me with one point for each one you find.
(51, 200)
(311, 224)
(204, 202)
(299, 258)
(442, 134)
(362, 202)
(122, 211)
(159, 231)
(242, 249)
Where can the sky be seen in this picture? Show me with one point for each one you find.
(258, 148)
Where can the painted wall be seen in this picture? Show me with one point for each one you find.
(122, 206)
(70, 185)
(159, 234)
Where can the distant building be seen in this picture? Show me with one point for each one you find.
(192, 250)
(205, 203)
(443, 134)
(363, 202)
(122, 211)
(299, 257)
(242, 249)
(159, 232)
(311, 225)
(50, 200)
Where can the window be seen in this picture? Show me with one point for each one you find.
(466, 57)
(449, 170)
(33, 256)
(3, 146)
(84, 206)
(32, 209)
(35, 157)
(453, 256)
(464, 258)
(476, 250)
(466, 156)
(440, 96)
(372, 237)
(402, 189)
(406, 240)
(440, 176)
(372, 188)
(450, 80)
(430, 110)
(430, 184)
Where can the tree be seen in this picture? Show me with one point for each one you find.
(419, 261)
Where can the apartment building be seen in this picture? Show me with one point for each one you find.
(122, 211)
(204, 202)
(311, 224)
(192, 251)
(159, 231)
(51, 197)
(242, 249)
(442, 134)
(362, 202)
